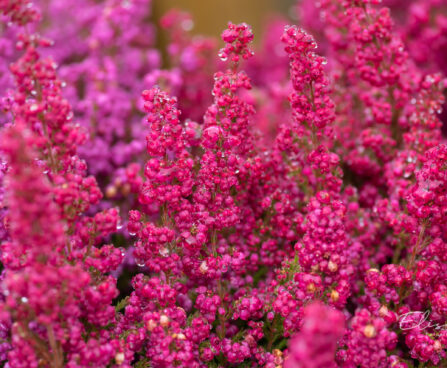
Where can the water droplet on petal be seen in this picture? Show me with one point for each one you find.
(164, 252)
(223, 56)
(140, 263)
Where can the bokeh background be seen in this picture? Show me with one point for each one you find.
(211, 16)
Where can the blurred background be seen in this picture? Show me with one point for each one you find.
(211, 16)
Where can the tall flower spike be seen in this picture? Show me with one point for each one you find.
(312, 107)
(237, 38)
(311, 102)
(51, 296)
(323, 247)
(34, 220)
(169, 181)
(168, 172)
(36, 275)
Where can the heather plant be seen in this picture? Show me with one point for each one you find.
(267, 207)
(105, 49)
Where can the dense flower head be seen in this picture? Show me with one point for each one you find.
(369, 340)
(426, 199)
(26, 207)
(237, 38)
(311, 103)
(20, 12)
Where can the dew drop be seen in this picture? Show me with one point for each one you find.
(164, 252)
(140, 263)
(223, 56)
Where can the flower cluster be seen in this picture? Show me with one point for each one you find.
(287, 208)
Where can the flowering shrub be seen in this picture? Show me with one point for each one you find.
(286, 210)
